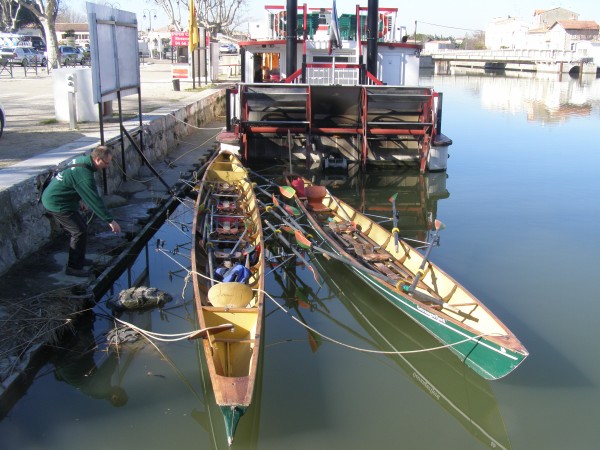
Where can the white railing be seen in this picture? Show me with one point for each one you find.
(330, 75)
(567, 56)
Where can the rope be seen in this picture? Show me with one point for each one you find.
(334, 341)
(379, 352)
(150, 335)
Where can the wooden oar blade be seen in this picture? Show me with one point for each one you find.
(393, 198)
(287, 191)
(302, 241)
(204, 332)
(291, 210)
(314, 341)
(275, 201)
(439, 225)
(288, 229)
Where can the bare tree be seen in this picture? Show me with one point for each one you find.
(68, 14)
(217, 16)
(8, 14)
(173, 10)
(46, 12)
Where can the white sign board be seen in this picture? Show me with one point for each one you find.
(114, 52)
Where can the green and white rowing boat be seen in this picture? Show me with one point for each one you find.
(408, 280)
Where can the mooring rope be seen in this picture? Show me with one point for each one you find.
(150, 335)
(379, 352)
(335, 341)
(330, 339)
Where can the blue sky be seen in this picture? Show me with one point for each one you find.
(456, 17)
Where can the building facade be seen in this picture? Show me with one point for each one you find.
(554, 29)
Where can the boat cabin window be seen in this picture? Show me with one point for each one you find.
(329, 59)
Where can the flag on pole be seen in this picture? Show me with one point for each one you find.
(193, 42)
(334, 30)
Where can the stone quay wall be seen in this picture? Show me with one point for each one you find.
(23, 226)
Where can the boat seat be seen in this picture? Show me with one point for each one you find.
(363, 249)
(314, 196)
(375, 257)
(228, 227)
(387, 271)
(341, 227)
(225, 254)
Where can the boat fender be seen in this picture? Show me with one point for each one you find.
(237, 273)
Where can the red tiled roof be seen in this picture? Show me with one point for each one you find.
(72, 26)
(578, 24)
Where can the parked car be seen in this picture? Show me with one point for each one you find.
(2, 119)
(36, 42)
(227, 48)
(70, 55)
(25, 56)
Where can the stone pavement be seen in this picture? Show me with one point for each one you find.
(31, 128)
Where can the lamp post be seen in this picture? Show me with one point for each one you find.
(150, 12)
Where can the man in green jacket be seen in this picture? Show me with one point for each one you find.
(71, 190)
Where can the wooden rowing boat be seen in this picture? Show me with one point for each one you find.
(411, 282)
(228, 278)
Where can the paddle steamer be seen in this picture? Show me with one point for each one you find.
(316, 84)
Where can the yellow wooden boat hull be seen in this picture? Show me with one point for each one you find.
(225, 195)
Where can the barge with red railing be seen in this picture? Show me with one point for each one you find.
(316, 84)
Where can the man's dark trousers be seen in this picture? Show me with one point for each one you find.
(76, 226)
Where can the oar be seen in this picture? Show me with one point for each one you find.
(292, 223)
(204, 332)
(438, 226)
(238, 242)
(285, 242)
(275, 202)
(416, 294)
(395, 229)
(286, 191)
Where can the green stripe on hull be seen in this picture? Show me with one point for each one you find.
(486, 358)
(232, 415)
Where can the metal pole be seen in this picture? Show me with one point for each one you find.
(72, 111)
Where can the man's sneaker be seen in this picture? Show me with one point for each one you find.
(77, 272)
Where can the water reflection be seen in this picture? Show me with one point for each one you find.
(416, 201)
(549, 98)
(456, 388)
(77, 366)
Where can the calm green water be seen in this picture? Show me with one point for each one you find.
(520, 202)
